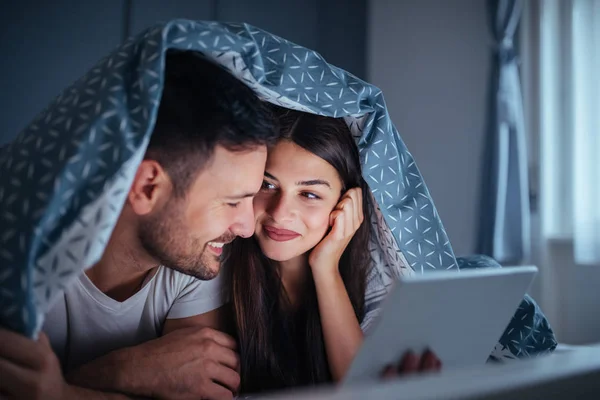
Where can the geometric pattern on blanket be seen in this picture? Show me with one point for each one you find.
(64, 179)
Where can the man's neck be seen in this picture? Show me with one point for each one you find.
(124, 266)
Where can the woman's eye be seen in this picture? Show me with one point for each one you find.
(310, 196)
(233, 205)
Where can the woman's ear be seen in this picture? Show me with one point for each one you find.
(150, 187)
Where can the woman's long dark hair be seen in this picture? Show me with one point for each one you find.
(280, 346)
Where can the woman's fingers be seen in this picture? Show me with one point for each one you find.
(409, 363)
(389, 372)
(337, 229)
(349, 219)
(360, 209)
(351, 203)
(428, 361)
(344, 208)
(355, 196)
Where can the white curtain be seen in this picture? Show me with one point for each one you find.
(504, 224)
(569, 38)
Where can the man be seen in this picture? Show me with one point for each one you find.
(139, 322)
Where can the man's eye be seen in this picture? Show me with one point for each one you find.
(233, 205)
(267, 186)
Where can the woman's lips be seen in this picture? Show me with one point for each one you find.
(280, 235)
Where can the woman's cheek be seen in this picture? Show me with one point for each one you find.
(317, 222)
(259, 204)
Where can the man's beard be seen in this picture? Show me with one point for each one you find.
(165, 237)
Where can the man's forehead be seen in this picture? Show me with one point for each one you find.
(235, 193)
(234, 174)
(223, 157)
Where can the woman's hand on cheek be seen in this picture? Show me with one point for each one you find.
(345, 219)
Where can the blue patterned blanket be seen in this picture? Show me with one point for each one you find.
(64, 179)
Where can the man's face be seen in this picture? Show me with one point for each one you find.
(187, 234)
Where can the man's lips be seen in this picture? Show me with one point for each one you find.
(279, 235)
(217, 246)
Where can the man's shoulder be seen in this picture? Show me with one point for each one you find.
(173, 276)
(186, 295)
(179, 283)
(171, 281)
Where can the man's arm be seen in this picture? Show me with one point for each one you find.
(30, 370)
(216, 319)
(76, 392)
(111, 372)
(187, 360)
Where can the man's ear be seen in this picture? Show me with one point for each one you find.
(150, 185)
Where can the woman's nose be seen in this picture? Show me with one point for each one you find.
(280, 207)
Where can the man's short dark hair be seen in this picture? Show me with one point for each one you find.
(203, 106)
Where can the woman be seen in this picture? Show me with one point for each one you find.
(299, 284)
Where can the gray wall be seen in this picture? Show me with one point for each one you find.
(432, 60)
(46, 45)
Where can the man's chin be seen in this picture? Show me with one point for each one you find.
(206, 275)
(205, 271)
(210, 272)
(212, 267)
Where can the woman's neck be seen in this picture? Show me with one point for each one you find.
(294, 274)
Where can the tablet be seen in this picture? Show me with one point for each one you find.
(460, 316)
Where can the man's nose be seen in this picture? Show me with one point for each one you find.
(244, 224)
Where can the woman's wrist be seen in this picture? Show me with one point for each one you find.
(325, 273)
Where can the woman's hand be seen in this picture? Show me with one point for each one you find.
(412, 363)
(345, 219)
(341, 329)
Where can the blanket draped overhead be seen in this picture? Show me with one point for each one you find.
(64, 179)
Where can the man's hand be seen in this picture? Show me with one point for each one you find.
(197, 363)
(411, 363)
(187, 363)
(30, 369)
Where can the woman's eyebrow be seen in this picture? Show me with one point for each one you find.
(310, 182)
(314, 182)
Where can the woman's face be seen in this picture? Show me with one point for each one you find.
(292, 208)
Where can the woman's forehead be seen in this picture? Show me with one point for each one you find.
(290, 162)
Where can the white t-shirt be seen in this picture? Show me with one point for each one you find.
(85, 323)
